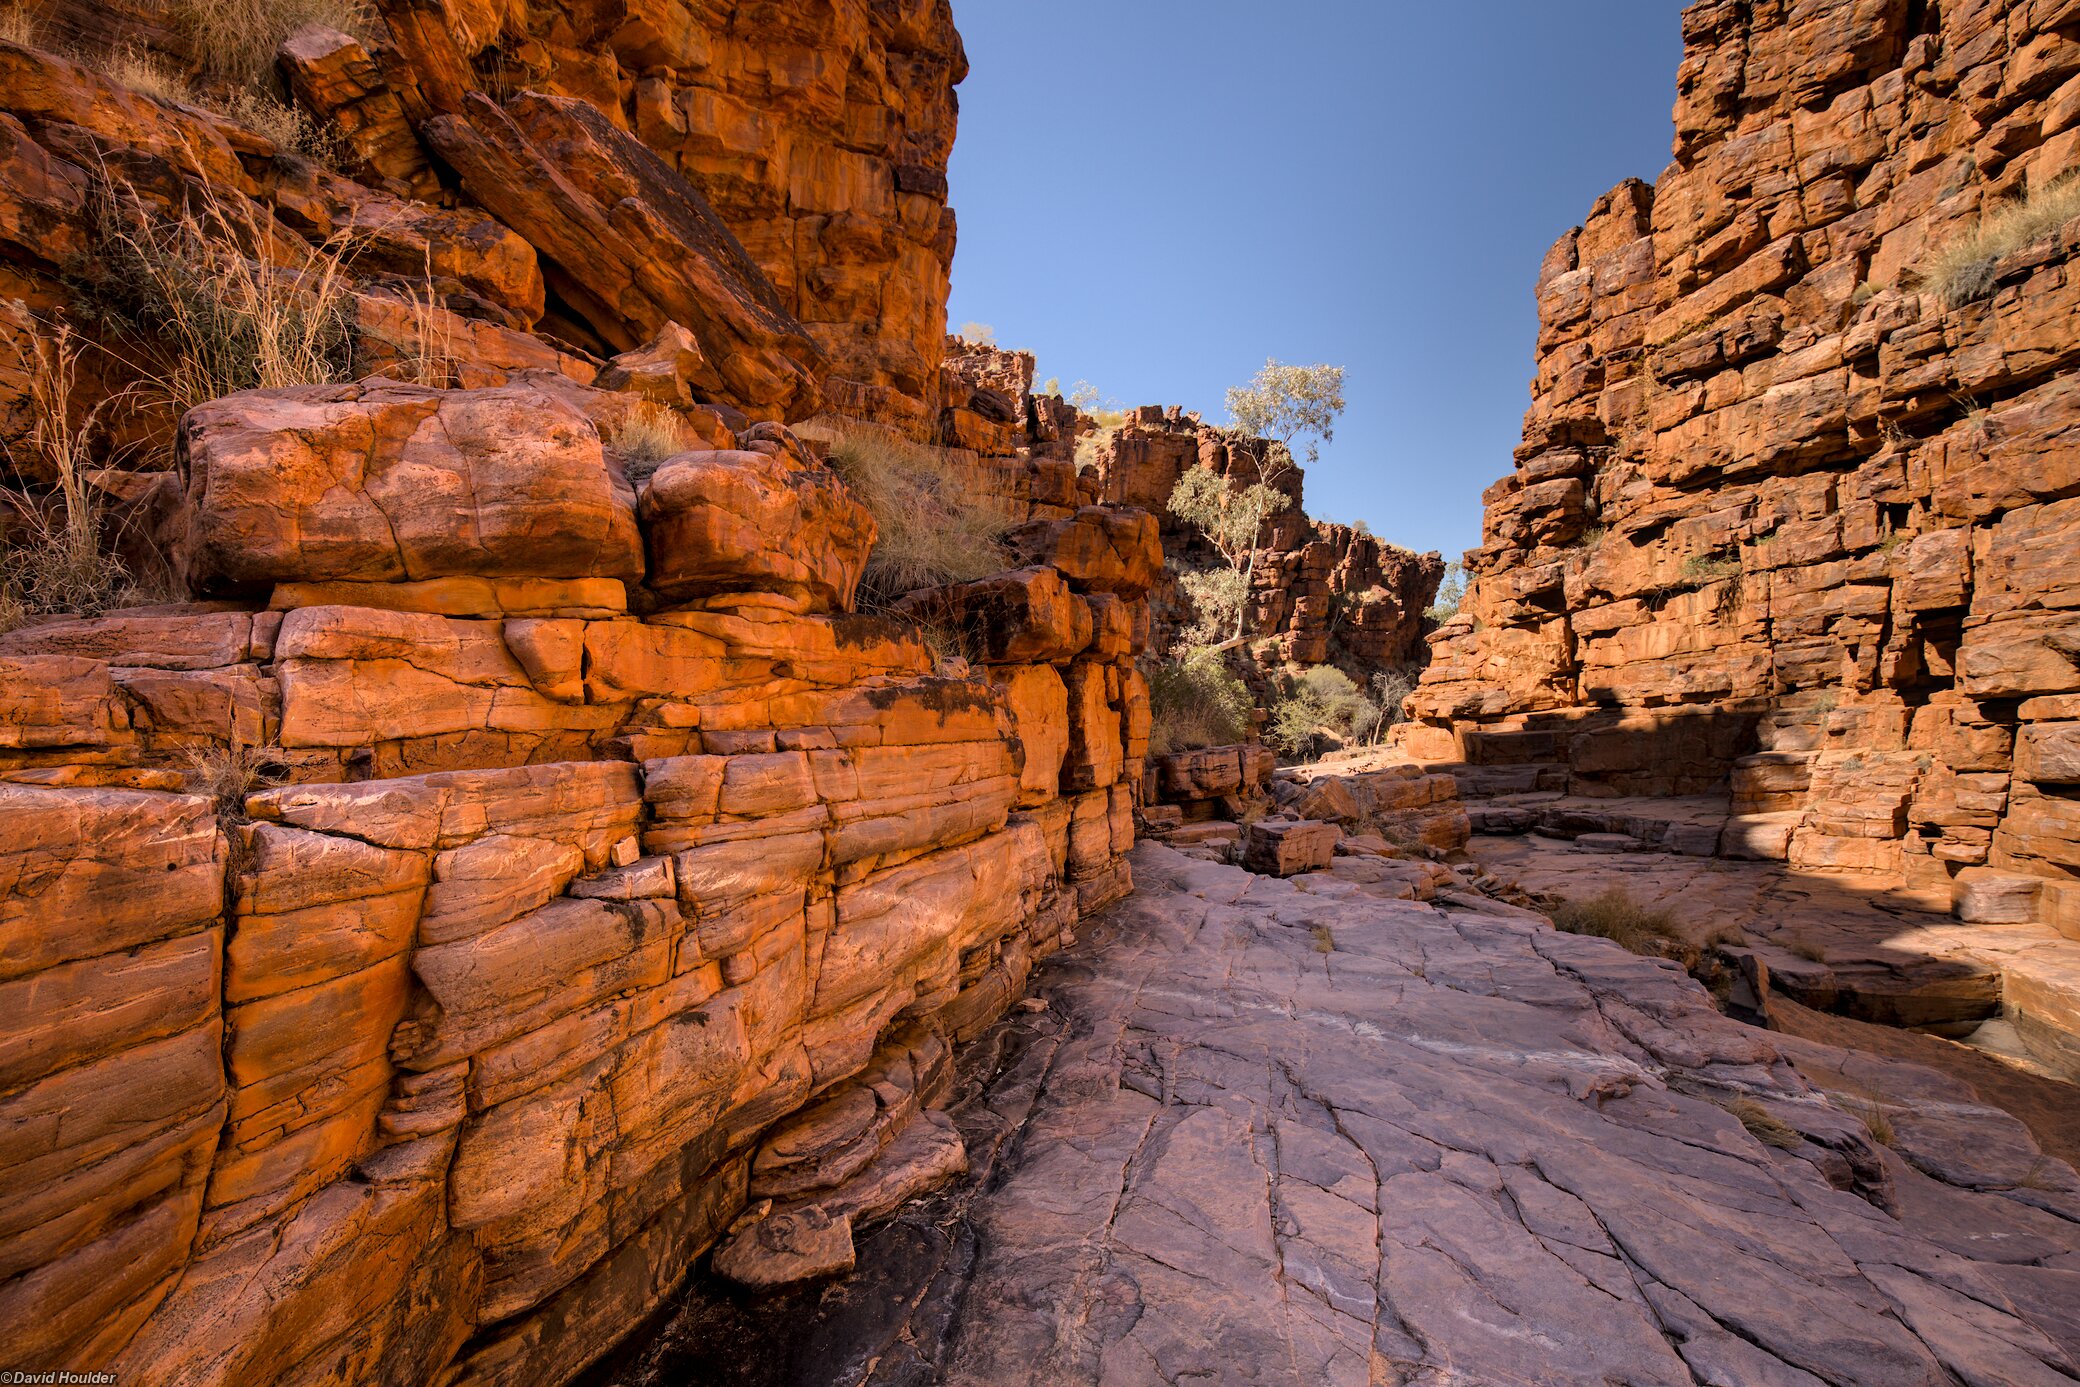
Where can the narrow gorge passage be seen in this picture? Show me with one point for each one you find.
(1262, 1134)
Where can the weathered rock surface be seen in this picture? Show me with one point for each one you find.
(1266, 1135)
(634, 245)
(527, 938)
(1792, 517)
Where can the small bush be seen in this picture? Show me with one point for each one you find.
(978, 334)
(1765, 1126)
(933, 528)
(648, 434)
(1324, 940)
(1701, 570)
(17, 25)
(1614, 915)
(1195, 702)
(206, 293)
(1962, 270)
(1089, 446)
(1324, 706)
(1391, 688)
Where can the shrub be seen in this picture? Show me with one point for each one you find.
(1195, 702)
(1089, 445)
(1962, 270)
(55, 562)
(648, 434)
(1390, 688)
(932, 527)
(236, 39)
(1324, 705)
(1217, 596)
(1613, 914)
(206, 293)
(978, 334)
(1703, 569)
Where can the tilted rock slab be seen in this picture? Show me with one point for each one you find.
(636, 246)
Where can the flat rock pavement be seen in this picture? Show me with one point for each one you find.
(1266, 1136)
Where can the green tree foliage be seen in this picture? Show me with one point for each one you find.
(1295, 406)
(1450, 593)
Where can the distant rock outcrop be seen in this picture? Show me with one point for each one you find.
(1323, 593)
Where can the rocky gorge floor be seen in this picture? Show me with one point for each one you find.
(1247, 1132)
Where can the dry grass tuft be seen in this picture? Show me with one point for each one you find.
(648, 434)
(55, 563)
(283, 124)
(1807, 948)
(1324, 940)
(223, 299)
(227, 774)
(429, 358)
(1875, 1114)
(1963, 269)
(236, 39)
(1614, 915)
(1764, 1125)
(933, 528)
(18, 25)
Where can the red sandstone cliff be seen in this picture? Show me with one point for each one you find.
(1796, 504)
(509, 868)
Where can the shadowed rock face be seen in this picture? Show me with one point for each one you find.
(1792, 507)
(1268, 1135)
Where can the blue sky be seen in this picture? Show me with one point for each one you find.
(1155, 195)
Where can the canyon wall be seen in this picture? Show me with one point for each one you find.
(1323, 593)
(818, 132)
(1795, 511)
(506, 867)
(460, 1044)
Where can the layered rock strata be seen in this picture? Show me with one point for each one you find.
(1794, 516)
(513, 878)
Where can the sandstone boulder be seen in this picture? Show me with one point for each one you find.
(1111, 549)
(383, 482)
(1288, 847)
(1028, 616)
(720, 522)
